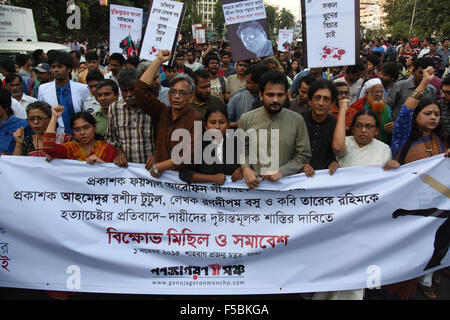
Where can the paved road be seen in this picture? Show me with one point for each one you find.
(442, 291)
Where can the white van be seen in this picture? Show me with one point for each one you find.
(12, 48)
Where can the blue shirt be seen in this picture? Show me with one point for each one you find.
(65, 99)
(296, 83)
(7, 129)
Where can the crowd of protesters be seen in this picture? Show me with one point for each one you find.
(390, 108)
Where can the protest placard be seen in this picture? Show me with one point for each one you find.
(285, 40)
(125, 30)
(163, 27)
(247, 29)
(15, 23)
(330, 32)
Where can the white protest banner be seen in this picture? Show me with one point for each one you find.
(163, 26)
(285, 40)
(125, 30)
(15, 23)
(194, 31)
(201, 35)
(127, 232)
(247, 29)
(330, 32)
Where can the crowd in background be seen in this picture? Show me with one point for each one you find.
(392, 107)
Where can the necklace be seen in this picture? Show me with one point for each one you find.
(429, 146)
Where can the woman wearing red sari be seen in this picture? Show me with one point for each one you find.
(86, 146)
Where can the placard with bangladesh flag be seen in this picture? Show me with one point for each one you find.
(125, 30)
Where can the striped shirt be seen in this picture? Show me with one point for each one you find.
(131, 130)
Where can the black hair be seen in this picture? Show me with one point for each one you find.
(200, 74)
(61, 57)
(91, 56)
(367, 112)
(391, 69)
(210, 57)
(132, 60)
(8, 65)
(22, 59)
(11, 77)
(40, 105)
(109, 83)
(216, 108)
(446, 81)
(424, 63)
(322, 84)
(5, 101)
(308, 79)
(256, 70)
(86, 116)
(415, 131)
(37, 53)
(94, 76)
(118, 57)
(355, 68)
(273, 77)
(77, 54)
(226, 53)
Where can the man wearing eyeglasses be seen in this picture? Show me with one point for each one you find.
(322, 94)
(179, 115)
(343, 92)
(373, 99)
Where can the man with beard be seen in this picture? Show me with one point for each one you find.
(389, 72)
(130, 130)
(301, 103)
(237, 81)
(190, 61)
(404, 88)
(203, 98)
(244, 100)
(322, 95)
(276, 158)
(14, 84)
(353, 78)
(219, 84)
(373, 99)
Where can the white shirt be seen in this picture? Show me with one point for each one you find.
(375, 153)
(26, 100)
(195, 66)
(19, 112)
(91, 105)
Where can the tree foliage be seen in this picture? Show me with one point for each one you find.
(218, 19)
(285, 19)
(430, 17)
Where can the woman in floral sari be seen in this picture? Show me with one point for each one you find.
(86, 146)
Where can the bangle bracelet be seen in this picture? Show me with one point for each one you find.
(155, 170)
(417, 95)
